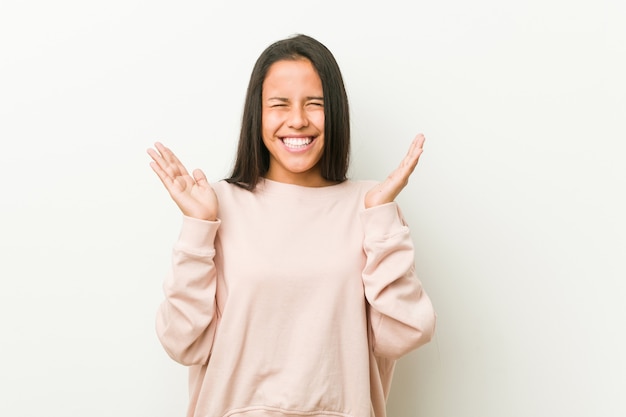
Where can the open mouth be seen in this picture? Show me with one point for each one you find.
(297, 143)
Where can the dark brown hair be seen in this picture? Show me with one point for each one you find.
(252, 160)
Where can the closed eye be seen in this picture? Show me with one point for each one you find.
(277, 102)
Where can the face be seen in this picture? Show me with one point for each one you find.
(293, 122)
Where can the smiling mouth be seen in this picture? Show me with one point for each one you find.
(297, 143)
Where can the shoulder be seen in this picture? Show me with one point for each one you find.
(367, 184)
(224, 186)
(360, 186)
(226, 191)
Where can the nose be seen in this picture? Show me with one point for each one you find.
(297, 118)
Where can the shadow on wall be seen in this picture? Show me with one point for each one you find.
(416, 388)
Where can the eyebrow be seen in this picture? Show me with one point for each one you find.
(284, 99)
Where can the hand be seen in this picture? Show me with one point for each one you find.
(388, 190)
(193, 195)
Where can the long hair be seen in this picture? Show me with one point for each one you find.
(253, 158)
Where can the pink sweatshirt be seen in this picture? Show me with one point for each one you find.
(296, 302)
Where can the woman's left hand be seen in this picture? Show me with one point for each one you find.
(388, 190)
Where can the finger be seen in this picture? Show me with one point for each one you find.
(163, 176)
(400, 176)
(420, 139)
(416, 148)
(166, 173)
(177, 167)
(409, 162)
(157, 159)
(164, 167)
(200, 178)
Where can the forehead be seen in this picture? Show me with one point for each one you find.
(292, 75)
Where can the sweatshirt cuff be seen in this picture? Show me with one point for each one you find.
(196, 233)
(383, 220)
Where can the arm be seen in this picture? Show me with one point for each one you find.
(187, 317)
(401, 314)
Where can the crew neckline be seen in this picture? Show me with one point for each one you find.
(275, 187)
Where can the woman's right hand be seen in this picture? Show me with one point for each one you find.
(192, 194)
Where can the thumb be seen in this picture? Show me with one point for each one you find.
(199, 177)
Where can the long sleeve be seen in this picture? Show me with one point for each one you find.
(401, 314)
(187, 317)
(280, 320)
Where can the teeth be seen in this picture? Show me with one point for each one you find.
(297, 142)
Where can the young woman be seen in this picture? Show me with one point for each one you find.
(293, 289)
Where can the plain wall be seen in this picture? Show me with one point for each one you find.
(516, 207)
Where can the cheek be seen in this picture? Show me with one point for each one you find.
(317, 119)
(270, 122)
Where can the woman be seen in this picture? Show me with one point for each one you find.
(293, 289)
